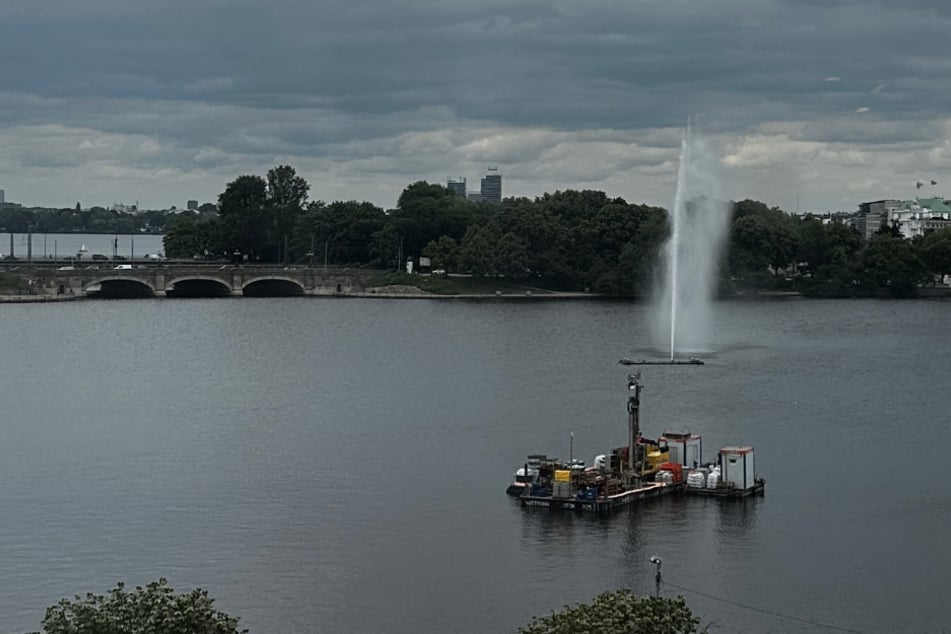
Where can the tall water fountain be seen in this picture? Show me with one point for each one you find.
(699, 220)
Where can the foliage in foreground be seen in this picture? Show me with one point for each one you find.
(154, 609)
(620, 612)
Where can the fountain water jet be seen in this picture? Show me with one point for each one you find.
(699, 220)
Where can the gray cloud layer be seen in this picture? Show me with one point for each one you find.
(105, 101)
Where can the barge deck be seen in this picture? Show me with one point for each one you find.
(690, 361)
(604, 504)
(758, 488)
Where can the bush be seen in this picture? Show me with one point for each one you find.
(154, 609)
(620, 612)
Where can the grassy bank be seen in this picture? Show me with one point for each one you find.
(445, 285)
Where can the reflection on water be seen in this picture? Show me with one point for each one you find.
(709, 352)
(737, 516)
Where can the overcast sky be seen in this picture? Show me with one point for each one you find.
(820, 104)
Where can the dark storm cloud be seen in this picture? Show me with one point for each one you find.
(212, 81)
(642, 64)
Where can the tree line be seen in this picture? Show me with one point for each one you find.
(566, 240)
(78, 220)
(770, 249)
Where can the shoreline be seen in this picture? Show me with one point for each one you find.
(527, 296)
(39, 299)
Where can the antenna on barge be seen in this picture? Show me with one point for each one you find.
(633, 410)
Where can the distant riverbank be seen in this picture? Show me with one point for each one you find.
(374, 293)
(44, 284)
(37, 299)
(384, 292)
(412, 292)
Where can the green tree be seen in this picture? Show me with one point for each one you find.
(760, 237)
(600, 241)
(477, 252)
(154, 609)
(190, 236)
(640, 255)
(620, 612)
(341, 231)
(819, 243)
(242, 208)
(545, 237)
(841, 277)
(511, 256)
(286, 197)
(443, 253)
(935, 250)
(891, 263)
(385, 246)
(572, 206)
(16, 220)
(425, 212)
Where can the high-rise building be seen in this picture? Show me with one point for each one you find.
(492, 186)
(2, 200)
(457, 186)
(192, 205)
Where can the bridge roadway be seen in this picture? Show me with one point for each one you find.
(173, 279)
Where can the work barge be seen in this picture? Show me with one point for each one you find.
(640, 470)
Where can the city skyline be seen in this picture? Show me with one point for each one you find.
(809, 106)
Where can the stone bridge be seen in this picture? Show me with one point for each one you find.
(175, 280)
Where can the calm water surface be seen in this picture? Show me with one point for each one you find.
(66, 245)
(340, 465)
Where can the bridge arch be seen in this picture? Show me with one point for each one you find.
(197, 286)
(272, 286)
(120, 286)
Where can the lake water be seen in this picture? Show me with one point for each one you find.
(339, 465)
(66, 245)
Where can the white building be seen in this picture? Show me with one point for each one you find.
(920, 216)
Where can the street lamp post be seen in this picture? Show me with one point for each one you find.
(657, 579)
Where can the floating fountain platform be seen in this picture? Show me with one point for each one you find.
(690, 361)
